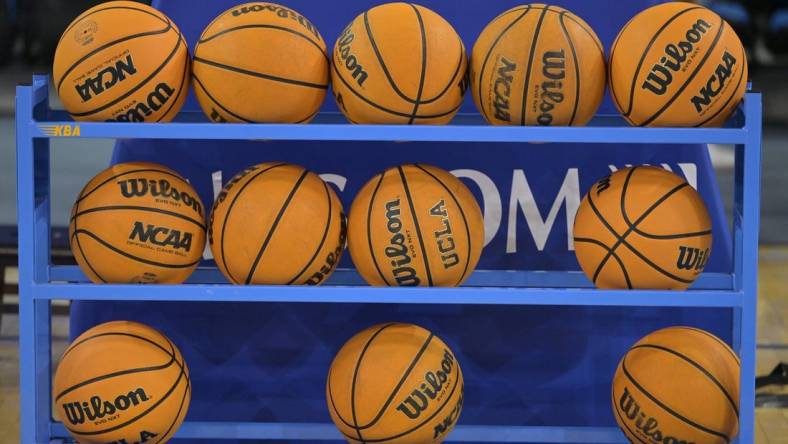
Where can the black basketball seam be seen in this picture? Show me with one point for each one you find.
(668, 409)
(612, 253)
(489, 53)
(725, 105)
(274, 225)
(577, 67)
(416, 224)
(453, 77)
(462, 214)
(186, 390)
(278, 28)
(83, 195)
(120, 372)
(718, 340)
(322, 239)
(387, 110)
(113, 333)
(423, 63)
(138, 208)
(199, 83)
(73, 237)
(355, 376)
(369, 228)
(108, 45)
(690, 78)
(84, 16)
(129, 256)
(394, 392)
(331, 399)
(307, 118)
(609, 69)
(622, 239)
(227, 216)
(651, 42)
(260, 74)
(624, 423)
(184, 81)
(527, 84)
(139, 86)
(697, 366)
(382, 63)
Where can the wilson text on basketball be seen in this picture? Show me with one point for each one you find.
(502, 88)
(433, 388)
(332, 259)
(554, 71)
(279, 11)
(691, 258)
(97, 408)
(443, 236)
(397, 251)
(156, 99)
(715, 84)
(677, 57)
(349, 60)
(644, 424)
(159, 189)
(106, 78)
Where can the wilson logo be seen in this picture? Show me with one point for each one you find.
(432, 387)
(279, 11)
(692, 258)
(602, 185)
(645, 424)
(162, 188)
(503, 89)
(443, 236)
(332, 259)
(661, 75)
(60, 130)
(450, 419)
(223, 196)
(97, 408)
(349, 60)
(397, 251)
(554, 70)
(715, 84)
(106, 78)
(161, 236)
(155, 101)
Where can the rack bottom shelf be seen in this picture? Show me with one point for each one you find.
(322, 431)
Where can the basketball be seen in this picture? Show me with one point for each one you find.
(260, 62)
(399, 63)
(677, 64)
(415, 225)
(395, 383)
(122, 61)
(121, 382)
(678, 384)
(538, 65)
(277, 223)
(642, 227)
(137, 222)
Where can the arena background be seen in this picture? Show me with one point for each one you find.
(530, 232)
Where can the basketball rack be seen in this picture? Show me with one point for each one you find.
(40, 281)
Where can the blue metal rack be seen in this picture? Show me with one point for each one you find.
(40, 282)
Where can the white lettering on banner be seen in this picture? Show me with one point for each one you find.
(523, 197)
(336, 179)
(689, 170)
(491, 201)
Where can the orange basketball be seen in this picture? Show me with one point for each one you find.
(260, 62)
(395, 383)
(137, 222)
(399, 63)
(415, 225)
(677, 64)
(122, 61)
(642, 227)
(276, 223)
(538, 65)
(121, 382)
(678, 385)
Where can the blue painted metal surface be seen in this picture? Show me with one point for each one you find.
(41, 282)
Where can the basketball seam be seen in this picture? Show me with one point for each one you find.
(83, 195)
(382, 63)
(261, 26)
(369, 229)
(108, 45)
(322, 240)
(130, 256)
(260, 74)
(138, 208)
(84, 16)
(453, 77)
(690, 78)
(577, 67)
(73, 237)
(186, 390)
(423, 63)
(697, 366)
(227, 215)
(136, 88)
(651, 42)
(668, 409)
(526, 84)
(416, 224)
(482, 108)
(609, 69)
(725, 105)
(612, 253)
(464, 220)
(274, 225)
(715, 338)
(184, 82)
(214, 100)
(387, 110)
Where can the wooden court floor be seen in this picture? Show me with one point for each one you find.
(772, 423)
